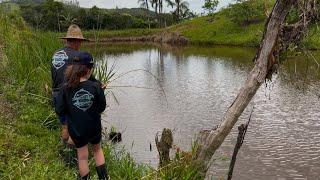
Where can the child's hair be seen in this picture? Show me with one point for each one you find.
(74, 73)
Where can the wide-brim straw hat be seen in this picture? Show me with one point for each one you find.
(74, 32)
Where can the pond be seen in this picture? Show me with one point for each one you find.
(194, 88)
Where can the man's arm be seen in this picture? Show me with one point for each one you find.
(60, 104)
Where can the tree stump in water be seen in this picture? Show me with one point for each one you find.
(164, 146)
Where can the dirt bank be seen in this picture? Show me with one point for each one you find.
(173, 38)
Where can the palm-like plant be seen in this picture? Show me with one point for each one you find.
(155, 5)
(144, 4)
(170, 3)
(181, 7)
(68, 19)
(160, 2)
(158, 5)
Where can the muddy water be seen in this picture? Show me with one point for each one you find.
(283, 140)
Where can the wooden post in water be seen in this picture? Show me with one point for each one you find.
(164, 146)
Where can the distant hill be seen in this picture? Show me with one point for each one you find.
(136, 12)
(9, 7)
(26, 1)
(57, 15)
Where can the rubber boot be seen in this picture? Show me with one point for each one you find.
(102, 172)
(86, 177)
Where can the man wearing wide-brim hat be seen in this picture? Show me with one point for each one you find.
(74, 33)
(60, 59)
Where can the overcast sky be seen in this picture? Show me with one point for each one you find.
(195, 5)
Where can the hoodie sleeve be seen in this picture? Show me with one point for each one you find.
(60, 102)
(101, 99)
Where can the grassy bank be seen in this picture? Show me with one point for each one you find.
(220, 30)
(217, 29)
(29, 131)
(207, 30)
(120, 33)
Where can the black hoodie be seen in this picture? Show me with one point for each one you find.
(60, 60)
(83, 105)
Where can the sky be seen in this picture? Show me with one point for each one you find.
(194, 5)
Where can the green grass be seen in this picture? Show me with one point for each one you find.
(29, 131)
(29, 138)
(28, 149)
(31, 150)
(219, 30)
(312, 41)
(120, 33)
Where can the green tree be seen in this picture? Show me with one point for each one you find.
(56, 16)
(67, 20)
(246, 11)
(144, 4)
(181, 8)
(210, 5)
(155, 5)
(95, 18)
(158, 9)
(82, 18)
(32, 15)
(52, 12)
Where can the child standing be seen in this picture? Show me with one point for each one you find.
(84, 101)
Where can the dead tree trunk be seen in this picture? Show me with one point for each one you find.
(256, 77)
(276, 40)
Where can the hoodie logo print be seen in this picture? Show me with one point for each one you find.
(82, 100)
(59, 59)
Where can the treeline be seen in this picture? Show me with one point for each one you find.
(57, 16)
(246, 12)
(180, 8)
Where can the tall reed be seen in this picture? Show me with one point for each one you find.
(28, 54)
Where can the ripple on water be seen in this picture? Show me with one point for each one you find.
(283, 139)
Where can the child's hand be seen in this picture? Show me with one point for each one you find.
(104, 86)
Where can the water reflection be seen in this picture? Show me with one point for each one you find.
(200, 83)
